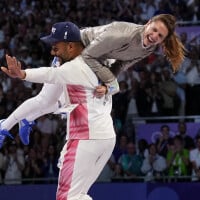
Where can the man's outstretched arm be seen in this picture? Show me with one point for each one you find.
(14, 70)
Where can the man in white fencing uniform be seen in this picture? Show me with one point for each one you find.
(44, 103)
(90, 132)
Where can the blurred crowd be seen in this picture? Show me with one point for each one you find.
(172, 158)
(149, 88)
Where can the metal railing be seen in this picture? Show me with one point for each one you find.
(188, 23)
(162, 178)
(162, 118)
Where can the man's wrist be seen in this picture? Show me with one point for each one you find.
(23, 75)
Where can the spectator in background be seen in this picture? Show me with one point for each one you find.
(142, 149)
(163, 140)
(120, 147)
(36, 139)
(148, 96)
(120, 101)
(24, 55)
(33, 167)
(188, 141)
(152, 100)
(116, 122)
(131, 162)
(178, 159)
(163, 7)
(3, 102)
(142, 98)
(192, 71)
(184, 40)
(180, 79)
(50, 161)
(108, 171)
(168, 88)
(179, 8)
(157, 101)
(118, 174)
(125, 13)
(47, 126)
(13, 165)
(195, 160)
(148, 8)
(11, 103)
(193, 8)
(132, 109)
(154, 165)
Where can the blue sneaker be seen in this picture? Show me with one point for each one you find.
(25, 128)
(3, 134)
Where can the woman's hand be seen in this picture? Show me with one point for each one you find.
(100, 91)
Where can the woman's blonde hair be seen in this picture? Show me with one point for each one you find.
(172, 46)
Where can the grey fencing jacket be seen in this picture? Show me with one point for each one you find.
(121, 41)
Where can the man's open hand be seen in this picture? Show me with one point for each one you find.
(14, 68)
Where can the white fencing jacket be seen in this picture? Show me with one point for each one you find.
(91, 119)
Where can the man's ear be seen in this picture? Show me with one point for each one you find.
(70, 45)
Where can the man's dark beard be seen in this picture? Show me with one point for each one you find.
(64, 61)
(61, 61)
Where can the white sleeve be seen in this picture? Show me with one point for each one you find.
(146, 166)
(75, 72)
(192, 156)
(159, 164)
(47, 75)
